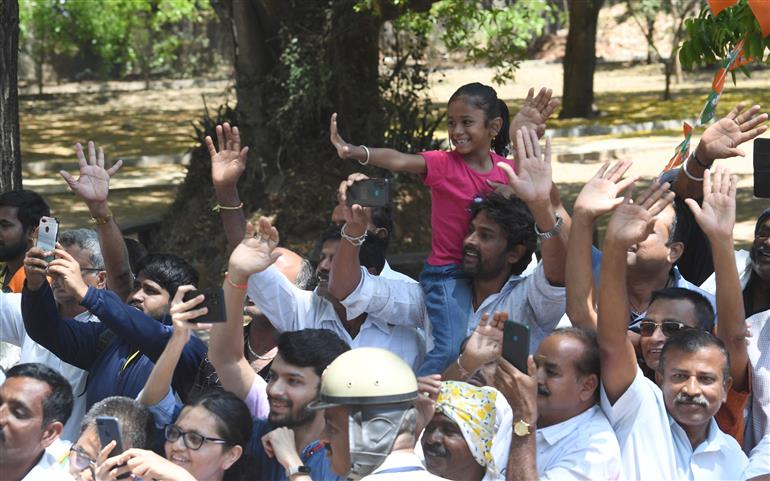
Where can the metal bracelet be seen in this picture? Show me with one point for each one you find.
(356, 241)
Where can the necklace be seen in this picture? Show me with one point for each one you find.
(255, 355)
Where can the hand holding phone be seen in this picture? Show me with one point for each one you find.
(108, 428)
(369, 193)
(214, 300)
(516, 344)
(47, 235)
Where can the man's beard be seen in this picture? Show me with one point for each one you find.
(9, 252)
(291, 419)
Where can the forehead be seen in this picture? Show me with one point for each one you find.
(26, 391)
(673, 309)
(708, 359)
(336, 416)
(462, 107)
(764, 229)
(664, 219)
(82, 256)
(561, 350)
(282, 368)
(440, 419)
(198, 419)
(482, 221)
(10, 214)
(89, 442)
(329, 247)
(148, 283)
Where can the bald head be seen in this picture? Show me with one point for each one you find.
(289, 264)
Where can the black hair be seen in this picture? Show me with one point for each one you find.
(136, 422)
(234, 425)
(168, 270)
(57, 405)
(485, 98)
(136, 252)
(516, 220)
(382, 217)
(30, 205)
(704, 311)
(315, 348)
(589, 362)
(693, 340)
(372, 252)
(333, 232)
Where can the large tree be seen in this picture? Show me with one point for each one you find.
(10, 152)
(580, 58)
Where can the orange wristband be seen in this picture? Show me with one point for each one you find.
(237, 286)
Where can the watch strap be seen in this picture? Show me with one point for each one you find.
(301, 469)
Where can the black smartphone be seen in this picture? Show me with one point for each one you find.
(369, 193)
(47, 235)
(214, 300)
(516, 344)
(762, 168)
(108, 428)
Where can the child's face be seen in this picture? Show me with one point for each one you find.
(468, 128)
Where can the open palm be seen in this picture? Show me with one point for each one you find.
(486, 342)
(600, 194)
(721, 139)
(533, 181)
(716, 217)
(229, 163)
(255, 252)
(534, 113)
(631, 223)
(93, 184)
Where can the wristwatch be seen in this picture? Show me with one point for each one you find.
(301, 469)
(551, 233)
(521, 428)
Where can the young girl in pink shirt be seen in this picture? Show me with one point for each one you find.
(478, 123)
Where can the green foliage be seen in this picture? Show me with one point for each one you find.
(125, 35)
(710, 38)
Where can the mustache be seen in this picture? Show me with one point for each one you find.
(682, 398)
(280, 399)
(542, 390)
(436, 450)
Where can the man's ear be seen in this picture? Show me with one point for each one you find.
(588, 387)
(101, 280)
(51, 432)
(675, 251)
(372, 271)
(516, 254)
(381, 232)
(727, 384)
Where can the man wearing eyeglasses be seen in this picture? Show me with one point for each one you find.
(673, 418)
(136, 430)
(83, 245)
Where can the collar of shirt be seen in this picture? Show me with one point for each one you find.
(714, 441)
(328, 315)
(506, 289)
(557, 432)
(399, 460)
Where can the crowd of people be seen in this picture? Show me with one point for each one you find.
(647, 359)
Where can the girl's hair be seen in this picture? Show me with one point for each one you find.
(485, 98)
(234, 425)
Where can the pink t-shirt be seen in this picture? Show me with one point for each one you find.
(453, 185)
(256, 399)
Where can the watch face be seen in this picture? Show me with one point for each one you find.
(521, 428)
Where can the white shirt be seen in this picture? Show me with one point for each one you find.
(759, 459)
(389, 273)
(530, 300)
(583, 447)
(12, 331)
(653, 446)
(401, 460)
(758, 425)
(47, 469)
(291, 309)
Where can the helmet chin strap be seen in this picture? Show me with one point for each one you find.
(372, 432)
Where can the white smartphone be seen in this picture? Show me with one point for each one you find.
(47, 234)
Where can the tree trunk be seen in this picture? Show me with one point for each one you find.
(10, 150)
(668, 70)
(580, 59)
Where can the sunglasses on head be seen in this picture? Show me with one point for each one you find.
(668, 328)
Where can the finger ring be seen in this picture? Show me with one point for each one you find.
(426, 394)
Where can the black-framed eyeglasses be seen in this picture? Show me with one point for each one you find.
(668, 328)
(80, 460)
(192, 440)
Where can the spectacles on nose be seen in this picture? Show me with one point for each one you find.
(192, 440)
(668, 328)
(80, 460)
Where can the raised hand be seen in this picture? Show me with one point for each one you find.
(486, 342)
(356, 217)
(600, 194)
(722, 138)
(34, 268)
(428, 388)
(534, 113)
(631, 223)
(183, 312)
(716, 217)
(343, 148)
(255, 252)
(229, 163)
(533, 182)
(93, 184)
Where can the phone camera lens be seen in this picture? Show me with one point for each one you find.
(47, 229)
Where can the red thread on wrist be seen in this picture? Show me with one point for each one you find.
(237, 286)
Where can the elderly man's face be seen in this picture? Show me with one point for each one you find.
(22, 433)
(335, 437)
(694, 386)
(446, 452)
(760, 252)
(91, 276)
